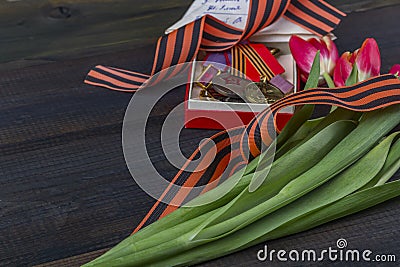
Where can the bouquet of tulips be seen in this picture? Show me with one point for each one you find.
(323, 169)
(347, 69)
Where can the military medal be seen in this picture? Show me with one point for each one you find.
(211, 95)
(262, 93)
(205, 78)
(229, 85)
(219, 85)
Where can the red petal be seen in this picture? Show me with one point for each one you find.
(333, 53)
(324, 53)
(303, 53)
(352, 57)
(395, 69)
(368, 59)
(342, 70)
(321, 46)
(303, 76)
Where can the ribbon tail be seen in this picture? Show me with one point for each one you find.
(225, 147)
(116, 79)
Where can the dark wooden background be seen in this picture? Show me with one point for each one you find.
(65, 192)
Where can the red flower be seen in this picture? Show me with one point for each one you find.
(395, 70)
(304, 53)
(367, 60)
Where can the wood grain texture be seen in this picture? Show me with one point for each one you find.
(361, 5)
(64, 178)
(66, 194)
(39, 31)
(33, 31)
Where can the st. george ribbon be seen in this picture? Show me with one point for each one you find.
(245, 142)
(211, 34)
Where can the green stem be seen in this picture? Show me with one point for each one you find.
(328, 80)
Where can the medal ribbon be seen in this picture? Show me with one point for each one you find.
(231, 145)
(210, 34)
(238, 62)
(258, 63)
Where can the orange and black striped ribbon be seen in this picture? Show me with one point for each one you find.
(315, 16)
(254, 58)
(238, 67)
(232, 145)
(211, 34)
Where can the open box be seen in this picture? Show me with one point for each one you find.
(207, 114)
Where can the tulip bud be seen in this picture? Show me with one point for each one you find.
(395, 70)
(367, 59)
(304, 53)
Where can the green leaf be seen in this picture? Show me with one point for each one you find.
(306, 156)
(392, 164)
(313, 77)
(303, 132)
(345, 183)
(303, 157)
(312, 127)
(328, 80)
(303, 114)
(192, 227)
(263, 160)
(348, 205)
(287, 217)
(291, 127)
(353, 78)
(283, 172)
(351, 148)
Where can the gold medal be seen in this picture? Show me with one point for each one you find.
(262, 93)
(212, 95)
(229, 85)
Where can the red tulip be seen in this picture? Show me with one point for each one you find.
(395, 70)
(367, 60)
(343, 68)
(304, 53)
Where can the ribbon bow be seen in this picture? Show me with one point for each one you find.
(210, 34)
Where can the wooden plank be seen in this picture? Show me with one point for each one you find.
(64, 181)
(45, 30)
(75, 260)
(361, 5)
(38, 31)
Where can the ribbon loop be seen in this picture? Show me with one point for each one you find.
(210, 34)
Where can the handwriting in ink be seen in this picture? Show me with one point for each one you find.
(229, 8)
(227, 1)
(237, 20)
